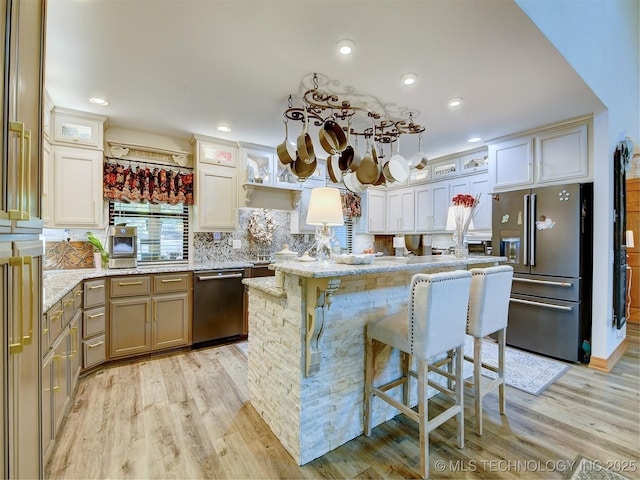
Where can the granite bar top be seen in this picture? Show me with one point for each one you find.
(57, 283)
(266, 285)
(382, 265)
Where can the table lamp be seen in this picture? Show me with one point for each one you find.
(325, 210)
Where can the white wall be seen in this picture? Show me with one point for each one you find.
(600, 40)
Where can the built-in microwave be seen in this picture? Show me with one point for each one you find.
(123, 247)
(479, 247)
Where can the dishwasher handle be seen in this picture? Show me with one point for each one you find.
(220, 277)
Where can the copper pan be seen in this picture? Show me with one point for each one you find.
(335, 174)
(286, 155)
(305, 145)
(332, 137)
(369, 170)
(302, 169)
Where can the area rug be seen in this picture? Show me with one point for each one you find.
(585, 469)
(524, 371)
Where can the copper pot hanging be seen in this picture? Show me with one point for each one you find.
(332, 137)
(285, 151)
(305, 145)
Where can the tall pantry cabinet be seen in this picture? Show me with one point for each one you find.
(22, 32)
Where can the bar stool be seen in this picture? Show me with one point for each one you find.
(488, 313)
(432, 326)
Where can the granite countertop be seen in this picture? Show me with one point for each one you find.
(381, 265)
(57, 283)
(266, 285)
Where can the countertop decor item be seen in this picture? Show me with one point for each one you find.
(262, 226)
(97, 245)
(325, 210)
(460, 220)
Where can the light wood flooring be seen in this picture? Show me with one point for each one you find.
(188, 416)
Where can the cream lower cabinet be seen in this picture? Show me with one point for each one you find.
(93, 324)
(159, 320)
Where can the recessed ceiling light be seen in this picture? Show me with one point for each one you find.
(346, 46)
(99, 101)
(455, 102)
(409, 78)
(474, 139)
(224, 128)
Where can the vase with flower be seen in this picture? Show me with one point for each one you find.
(460, 220)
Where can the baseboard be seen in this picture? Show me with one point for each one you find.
(606, 364)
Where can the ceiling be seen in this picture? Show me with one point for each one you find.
(183, 67)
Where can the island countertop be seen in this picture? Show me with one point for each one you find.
(382, 265)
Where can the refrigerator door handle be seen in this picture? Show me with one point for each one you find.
(525, 236)
(532, 231)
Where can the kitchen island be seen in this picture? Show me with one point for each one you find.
(306, 344)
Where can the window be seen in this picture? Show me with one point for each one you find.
(344, 235)
(163, 230)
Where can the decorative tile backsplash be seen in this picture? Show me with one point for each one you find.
(206, 248)
(67, 255)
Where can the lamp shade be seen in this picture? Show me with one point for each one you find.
(630, 243)
(455, 211)
(325, 207)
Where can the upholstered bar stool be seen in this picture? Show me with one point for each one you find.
(488, 313)
(431, 328)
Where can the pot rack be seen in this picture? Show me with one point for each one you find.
(319, 105)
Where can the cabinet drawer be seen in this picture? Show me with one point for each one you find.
(93, 322)
(45, 335)
(71, 303)
(94, 293)
(94, 351)
(54, 319)
(175, 282)
(130, 286)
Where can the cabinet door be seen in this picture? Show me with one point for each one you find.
(46, 419)
(171, 321)
(408, 223)
(77, 128)
(75, 361)
(479, 185)
(60, 381)
(424, 208)
(217, 199)
(511, 163)
(441, 202)
(78, 187)
(376, 203)
(258, 165)
(393, 209)
(562, 155)
(130, 326)
(47, 184)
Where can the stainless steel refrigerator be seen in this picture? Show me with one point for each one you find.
(547, 235)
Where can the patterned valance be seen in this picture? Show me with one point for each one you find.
(350, 204)
(142, 183)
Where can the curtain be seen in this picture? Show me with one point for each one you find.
(138, 184)
(350, 204)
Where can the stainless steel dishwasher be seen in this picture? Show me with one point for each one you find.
(218, 297)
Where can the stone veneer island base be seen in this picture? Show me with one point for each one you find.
(306, 345)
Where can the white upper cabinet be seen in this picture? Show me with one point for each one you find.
(376, 208)
(400, 209)
(562, 155)
(511, 163)
(71, 127)
(216, 205)
(73, 170)
(479, 185)
(77, 187)
(554, 155)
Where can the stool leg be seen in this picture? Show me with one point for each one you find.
(406, 391)
(501, 349)
(477, 373)
(460, 394)
(423, 413)
(369, 365)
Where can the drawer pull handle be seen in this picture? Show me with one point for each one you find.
(45, 331)
(78, 293)
(125, 284)
(543, 282)
(68, 302)
(542, 304)
(220, 277)
(95, 287)
(95, 345)
(172, 280)
(95, 315)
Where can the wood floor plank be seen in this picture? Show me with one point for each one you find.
(188, 416)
